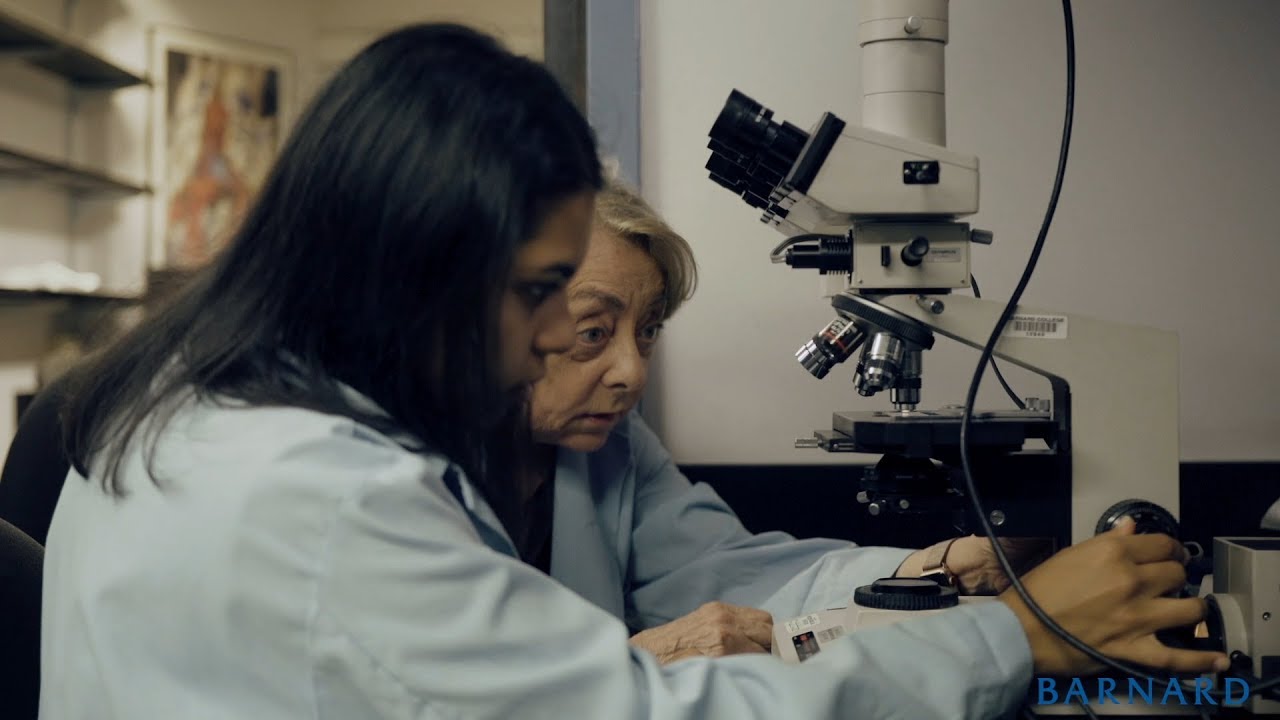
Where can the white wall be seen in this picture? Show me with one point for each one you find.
(1166, 219)
(344, 27)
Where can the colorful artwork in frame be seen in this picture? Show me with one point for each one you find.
(220, 110)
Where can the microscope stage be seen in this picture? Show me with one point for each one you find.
(934, 433)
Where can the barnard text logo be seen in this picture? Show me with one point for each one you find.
(1108, 691)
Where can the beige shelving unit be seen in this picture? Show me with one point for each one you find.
(56, 53)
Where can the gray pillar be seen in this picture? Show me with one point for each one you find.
(593, 48)
(564, 41)
(613, 81)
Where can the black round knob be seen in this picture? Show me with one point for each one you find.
(914, 252)
(905, 594)
(1151, 519)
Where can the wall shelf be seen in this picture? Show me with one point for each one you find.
(22, 164)
(23, 296)
(58, 53)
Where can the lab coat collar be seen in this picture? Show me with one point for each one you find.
(483, 518)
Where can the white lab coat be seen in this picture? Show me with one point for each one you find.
(298, 565)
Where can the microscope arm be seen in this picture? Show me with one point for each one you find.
(1122, 382)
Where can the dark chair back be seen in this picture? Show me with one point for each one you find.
(36, 466)
(21, 575)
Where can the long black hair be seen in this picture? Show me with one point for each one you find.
(375, 257)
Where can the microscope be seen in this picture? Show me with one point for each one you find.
(877, 209)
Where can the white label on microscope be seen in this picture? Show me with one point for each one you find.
(1047, 327)
(803, 623)
(941, 255)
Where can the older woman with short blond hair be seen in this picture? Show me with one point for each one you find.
(615, 519)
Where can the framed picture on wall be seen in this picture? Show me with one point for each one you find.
(220, 111)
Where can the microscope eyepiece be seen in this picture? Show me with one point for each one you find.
(750, 153)
(747, 127)
(742, 118)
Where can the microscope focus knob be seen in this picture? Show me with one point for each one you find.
(913, 254)
(906, 594)
(981, 237)
(1150, 518)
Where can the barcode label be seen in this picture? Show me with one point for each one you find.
(1050, 327)
(1035, 326)
(795, 626)
(830, 633)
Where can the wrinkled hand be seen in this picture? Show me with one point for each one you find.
(975, 565)
(714, 630)
(1108, 592)
(978, 570)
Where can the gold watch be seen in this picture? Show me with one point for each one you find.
(935, 565)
